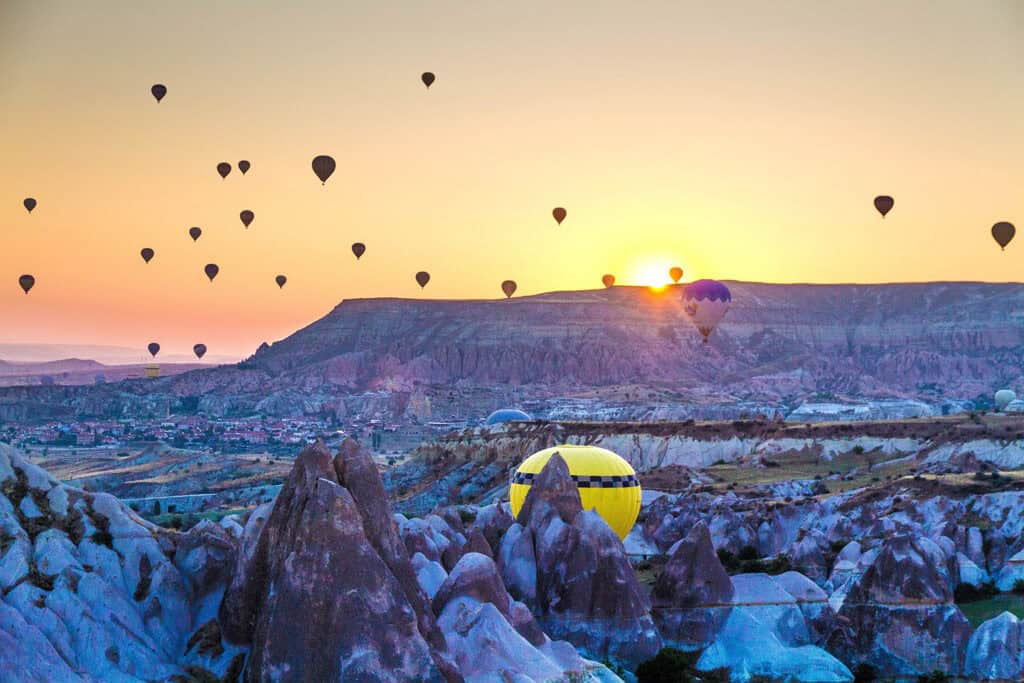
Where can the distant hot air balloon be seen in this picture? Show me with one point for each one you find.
(223, 168)
(147, 254)
(559, 213)
(29, 204)
(211, 270)
(247, 217)
(194, 233)
(199, 350)
(509, 287)
(1003, 232)
(608, 280)
(422, 278)
(158, 90)
(1004, 397)
(323, 166)
(705, 302)
(27, 282)
(280, 280)
(676, 273)
(154, 349)
(884, 204)
(428, 78)
(243, 166)
(358, 249)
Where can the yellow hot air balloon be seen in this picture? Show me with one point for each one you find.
(606, 482)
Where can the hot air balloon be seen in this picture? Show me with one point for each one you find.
(280, 280)
(676, 273)
(428, 78)
(158, 90)
(1003, 232)
(608, 280)
(422, 278)
(154, 349)
(223, 168)
(27, 282)
(29, 204)
(559, 213)
(606, 483)
(358, 249)
(194, 233)
(509, 287)
(1004, 397)
(705, 302)
(503, 415)
(884, 204)
(211, 270)
(323, 166)
(199, 350)
(147, 254)
(243, 166)
(247, 217)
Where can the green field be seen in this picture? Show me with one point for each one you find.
(983, 610)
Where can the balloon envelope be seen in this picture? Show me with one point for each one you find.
(280, 280)
(158, 90)
(884, 204)
(247, 216)
(147, 254)
(506, 415)
(194, 233)
(29, 204)
(422, 278)
(1004, 397)
(509, 287)
(358, 249)
(243, 166)
(559, 213)
(605, 481)
(26, 282)
(676, 273)
(705, 302)
(608, 280)
(1003, 232)
(323, 166)
(223, 168)
(211, 270)
(428, 78)
(199, 350)
(154, 349)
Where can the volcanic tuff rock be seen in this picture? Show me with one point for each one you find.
(996, 650)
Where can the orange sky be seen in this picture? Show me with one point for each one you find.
(739, 140)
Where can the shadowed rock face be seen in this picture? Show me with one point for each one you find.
(330, 575)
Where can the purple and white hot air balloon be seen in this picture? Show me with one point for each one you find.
(705, 303)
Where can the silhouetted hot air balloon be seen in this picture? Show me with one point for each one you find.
(559, 213)
(247, 217)
(323, 166)
(211, 270)
(608, 280)
(194, 233)
(147, 254)
(29, 204)
(676, 273)
(428, 78)
(27, 282)
(158, 90)
(509, 287)
(358, 249)
(705, 302)
(1003, 232)
(154, 349)
(422, 278)
(199, 350)
(243, 166)
(223, 168)
(280, 280)
(884, 204)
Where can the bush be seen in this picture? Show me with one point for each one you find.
(933, 677)
(1018, 586)
(671, 665)
(965, 592)
(747, 553)
(865, 673)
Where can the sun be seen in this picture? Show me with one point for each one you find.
(654, 276)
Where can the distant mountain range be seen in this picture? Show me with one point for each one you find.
(108, 355)
(778, 344)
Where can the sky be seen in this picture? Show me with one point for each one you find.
(737, 140)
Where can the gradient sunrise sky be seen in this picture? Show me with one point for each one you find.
(740, 140)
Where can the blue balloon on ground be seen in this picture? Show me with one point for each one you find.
(506, 415)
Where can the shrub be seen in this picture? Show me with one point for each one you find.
(965, 592)
(1018, 586)
(933, 677)
(670, 665)
(748, 552)
(865, 673)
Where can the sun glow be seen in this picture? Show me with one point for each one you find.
(654, 275)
